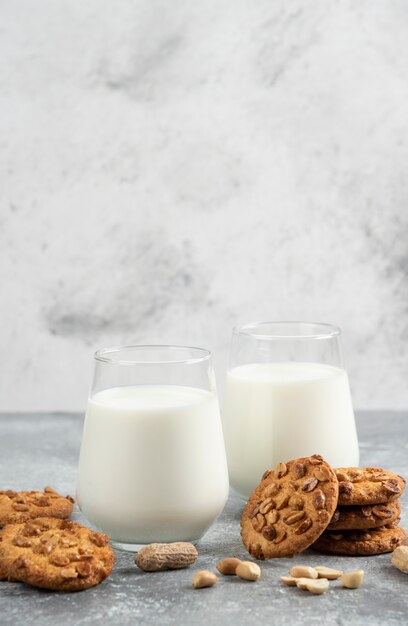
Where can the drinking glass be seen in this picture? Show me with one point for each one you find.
(287, 395)
(152, 465)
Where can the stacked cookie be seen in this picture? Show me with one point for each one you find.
(305, 503)
(20, 506)
(366, 519)
(39, 546)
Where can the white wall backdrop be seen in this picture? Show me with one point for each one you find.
(170, 169)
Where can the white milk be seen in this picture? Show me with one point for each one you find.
(152, 464)
(279, 411)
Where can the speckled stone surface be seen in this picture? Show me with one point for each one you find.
(40, 449)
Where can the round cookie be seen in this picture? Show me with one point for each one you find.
(55, 554)
(362, 517)
(20, 506)
(290, 508)
(360, 542)
(3, 573)
(368, 485)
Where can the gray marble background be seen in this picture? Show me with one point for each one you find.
(170, 169)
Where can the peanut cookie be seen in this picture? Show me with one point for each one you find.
(362, 517)
(3, 573)
(290, 508)
(20, 506)
(55, 554)
(360, 542)
(368, 485)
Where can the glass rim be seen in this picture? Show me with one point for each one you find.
(104, 355)
(327, 331)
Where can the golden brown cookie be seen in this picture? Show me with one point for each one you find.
(362, 517)
(19, 506)
(368, 485)
(290, 508)
(55, 554)
(360, 542)
(3, 573)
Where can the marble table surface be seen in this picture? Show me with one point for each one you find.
(39, 449)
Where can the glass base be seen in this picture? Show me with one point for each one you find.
(135, 547)
(127, 547)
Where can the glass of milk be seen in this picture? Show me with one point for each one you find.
(287, 395)
(152, 466)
